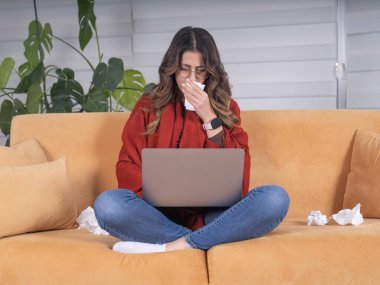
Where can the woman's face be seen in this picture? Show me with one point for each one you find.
(191, 66)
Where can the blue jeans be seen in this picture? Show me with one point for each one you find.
(129, 218)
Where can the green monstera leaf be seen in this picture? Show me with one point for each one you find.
(87, 21)
(33, 99)
(6, 116)
(130, 88)
(6, 67)
(65, 74)
(107, 77)
(19, 108)
(36, 31)
(96, 101)
(149, 87)
(24, 69)
(65, 90)
(34, 77)
(8, 110)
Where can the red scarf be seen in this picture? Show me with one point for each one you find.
(128, 168)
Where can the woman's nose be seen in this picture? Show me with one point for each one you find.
(192, 75)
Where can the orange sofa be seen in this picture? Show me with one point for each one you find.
(306, 152)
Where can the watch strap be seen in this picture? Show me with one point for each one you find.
(213, 124)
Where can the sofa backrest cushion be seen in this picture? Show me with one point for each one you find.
(89, 141)
(307, 152)
(363, 183)
(24, 153)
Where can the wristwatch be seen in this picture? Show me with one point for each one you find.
(213, 124)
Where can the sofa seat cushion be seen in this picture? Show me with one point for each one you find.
(79, 257)
(295, 253)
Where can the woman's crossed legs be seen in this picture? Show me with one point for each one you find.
(146, 229)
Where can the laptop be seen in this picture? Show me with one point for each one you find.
(192, 177)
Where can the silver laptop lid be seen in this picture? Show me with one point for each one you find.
(192, 177)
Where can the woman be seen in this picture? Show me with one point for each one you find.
(160, 120)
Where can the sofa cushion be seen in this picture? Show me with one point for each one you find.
(24, 153)
(296, 149)
(307, 152)
(36, 197)
(298, 254)
(79, 257)
(363, 183)
(90, 141)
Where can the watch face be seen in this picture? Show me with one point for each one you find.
(216, 123)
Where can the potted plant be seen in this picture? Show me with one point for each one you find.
(110, 82)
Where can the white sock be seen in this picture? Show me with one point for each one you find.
(138, 247)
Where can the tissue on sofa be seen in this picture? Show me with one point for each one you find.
(316, 218)
(347, 216)
(343, 217)
(87, 220)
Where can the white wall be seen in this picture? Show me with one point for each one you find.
(279, 54)
(363, 54)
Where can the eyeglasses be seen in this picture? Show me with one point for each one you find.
(185, 71)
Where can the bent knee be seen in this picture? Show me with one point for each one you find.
(109, 203)
(109, 198)
(276, 198)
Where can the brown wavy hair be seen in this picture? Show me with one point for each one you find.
(217, 84)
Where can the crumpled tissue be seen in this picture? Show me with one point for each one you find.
(316, 218)
(188, 106)
(346, 216)
(343, 217)
(87, 220)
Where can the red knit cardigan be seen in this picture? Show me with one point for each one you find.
(128, 167)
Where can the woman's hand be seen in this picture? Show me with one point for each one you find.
(199, 100)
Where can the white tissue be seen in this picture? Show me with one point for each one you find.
(316, 218)
(347, 216)
(188, 106)
(87, 220)
(343, 217)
